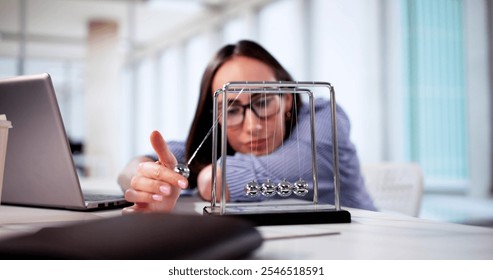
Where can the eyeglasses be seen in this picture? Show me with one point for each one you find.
(263, 107)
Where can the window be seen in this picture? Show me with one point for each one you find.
(435, 82)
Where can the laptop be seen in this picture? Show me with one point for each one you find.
(39, 167)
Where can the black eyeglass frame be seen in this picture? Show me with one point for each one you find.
(252, 108)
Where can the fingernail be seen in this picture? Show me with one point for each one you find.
(165, 190)
(182, 184)
(157, 197)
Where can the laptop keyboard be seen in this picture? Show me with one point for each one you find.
(101, 197)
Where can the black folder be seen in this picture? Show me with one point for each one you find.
(139, 236)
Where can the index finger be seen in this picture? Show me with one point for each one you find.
(165, 156)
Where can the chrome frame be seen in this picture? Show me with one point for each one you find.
(281, 87)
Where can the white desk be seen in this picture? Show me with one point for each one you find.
(370, 235)
(373, 235)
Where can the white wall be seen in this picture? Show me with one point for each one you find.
(346, 46)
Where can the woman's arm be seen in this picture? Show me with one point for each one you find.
(293, 160)
(204, 182)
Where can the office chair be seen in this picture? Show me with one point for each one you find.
(395, 187)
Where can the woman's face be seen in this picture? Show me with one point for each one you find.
(257, 129)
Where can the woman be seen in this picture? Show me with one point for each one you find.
(262, 145)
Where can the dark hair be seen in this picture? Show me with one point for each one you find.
(202, 121)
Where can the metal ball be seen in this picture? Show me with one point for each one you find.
(300, 187)
(284, 188)
(182, 169)
(252, 189)
(268, 189)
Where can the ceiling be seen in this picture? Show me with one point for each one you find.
(58, 28)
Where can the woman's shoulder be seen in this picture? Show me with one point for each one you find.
(321, 105)
(324, 105)
(318, 103)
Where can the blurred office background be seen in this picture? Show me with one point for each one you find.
(413, 76)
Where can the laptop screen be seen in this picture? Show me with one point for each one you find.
(39, 168)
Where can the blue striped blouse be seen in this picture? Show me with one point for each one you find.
(293, 160)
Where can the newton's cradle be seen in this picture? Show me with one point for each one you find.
(284, 209)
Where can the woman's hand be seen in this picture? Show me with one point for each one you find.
(155, 187)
